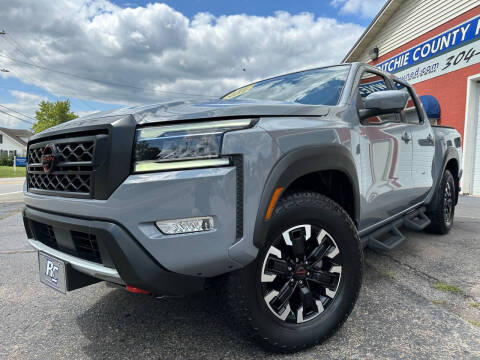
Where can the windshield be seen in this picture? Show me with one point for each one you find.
(313, 87)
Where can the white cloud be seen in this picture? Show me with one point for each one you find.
(25, 103)
(157, 48)
(364, 8)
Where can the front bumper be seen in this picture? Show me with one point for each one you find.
(123, 260)
(143, 199)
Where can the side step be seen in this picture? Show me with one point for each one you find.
(390, 236)
(386, 238)
(417, 220)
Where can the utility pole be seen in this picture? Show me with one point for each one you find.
(2, 32)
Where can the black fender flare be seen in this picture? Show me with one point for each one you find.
(298, 163)
(450, 153)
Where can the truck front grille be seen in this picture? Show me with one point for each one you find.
(72, 172)
(67, 152)
(65, 183)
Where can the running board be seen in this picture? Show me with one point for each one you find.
(417, 220)
(386, 238)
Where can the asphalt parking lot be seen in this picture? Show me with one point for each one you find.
(421, 301)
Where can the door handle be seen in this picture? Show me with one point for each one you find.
(428, 141)
(406, 137)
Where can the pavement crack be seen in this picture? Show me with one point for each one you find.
(420, 273)
(410, 267)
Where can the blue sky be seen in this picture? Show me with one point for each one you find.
(157, 51)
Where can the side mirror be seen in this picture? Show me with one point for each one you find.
(384, 102)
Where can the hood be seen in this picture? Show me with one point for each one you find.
(185, 110)
(188, 110)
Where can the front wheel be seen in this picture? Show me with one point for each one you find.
(442, 209)
(306, 278)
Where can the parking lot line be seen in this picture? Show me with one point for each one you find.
(14, 192)
(12, 182)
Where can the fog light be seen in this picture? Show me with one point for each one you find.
(182, 226)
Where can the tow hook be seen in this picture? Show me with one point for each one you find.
(135, 290)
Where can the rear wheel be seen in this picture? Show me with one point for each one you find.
(442, 209)
(306, 278)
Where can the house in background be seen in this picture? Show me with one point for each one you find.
(13, 142)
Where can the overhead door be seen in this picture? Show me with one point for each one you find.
(476, 155)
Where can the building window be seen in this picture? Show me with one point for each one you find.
(1, 138)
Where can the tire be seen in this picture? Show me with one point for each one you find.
(325, 283)
(442, 210)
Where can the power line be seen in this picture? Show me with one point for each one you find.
(18, 112)
(21, 49)
(110, 83)
(86, 104)
(42, 91)
(24, 89)
(16, 117)
(15, 44)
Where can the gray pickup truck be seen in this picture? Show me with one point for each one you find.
(269, 194)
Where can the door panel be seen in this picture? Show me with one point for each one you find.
(422, 163)
(385, 154)
(387, 188)
(423, 144)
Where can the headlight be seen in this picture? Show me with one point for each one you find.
(183, 146)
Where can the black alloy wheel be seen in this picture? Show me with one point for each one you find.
(301, 273)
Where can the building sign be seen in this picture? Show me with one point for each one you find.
(20, 161)
(454, 49)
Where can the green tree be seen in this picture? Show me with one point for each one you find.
(50, 114)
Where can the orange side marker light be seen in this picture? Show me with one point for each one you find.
(273, 202)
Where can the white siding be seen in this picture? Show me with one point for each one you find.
(476, 158)
(414, 18)
(10, 145)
